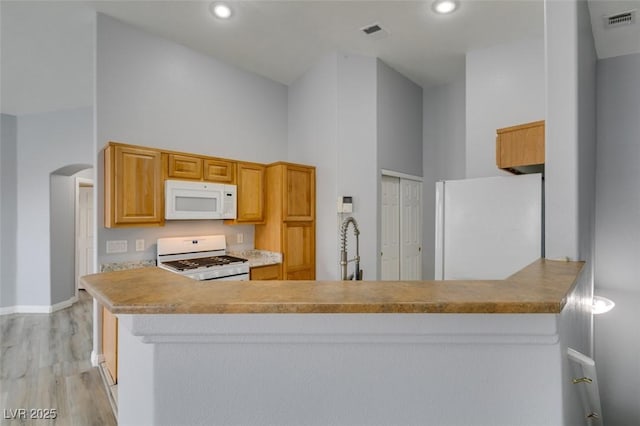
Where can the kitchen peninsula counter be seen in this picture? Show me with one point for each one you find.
(542, 287)
(347, 352)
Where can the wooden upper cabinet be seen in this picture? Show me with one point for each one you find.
(133, 190)
(519, 147)
(193, 167)
(299, 198)
(134, 184)
(289, 225)
(218, 170)
(184, 166)
(250, 178)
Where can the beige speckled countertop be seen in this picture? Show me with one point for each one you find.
(541, 287)
(258, 258)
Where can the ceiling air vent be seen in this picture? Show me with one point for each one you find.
(620, 19)
(374, 31)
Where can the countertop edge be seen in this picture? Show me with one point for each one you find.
(531, 285)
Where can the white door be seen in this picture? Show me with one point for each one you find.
(401, 229)
(84, 233)
(390, 244)
(411, 230)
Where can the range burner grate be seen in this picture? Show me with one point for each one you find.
(203, 262)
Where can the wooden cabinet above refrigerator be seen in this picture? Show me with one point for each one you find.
(520, 149)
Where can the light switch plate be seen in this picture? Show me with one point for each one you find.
(139, 245)
(239, 238)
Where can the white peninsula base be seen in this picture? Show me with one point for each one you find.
(348, 369)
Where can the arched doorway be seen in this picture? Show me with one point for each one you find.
(66, 194)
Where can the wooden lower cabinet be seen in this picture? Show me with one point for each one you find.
(300, 250)
(110, 343)
(267, 272)
(289, 226)
(302, 275)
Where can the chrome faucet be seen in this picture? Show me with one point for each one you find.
(343, 252)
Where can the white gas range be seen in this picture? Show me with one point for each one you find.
(201, 258)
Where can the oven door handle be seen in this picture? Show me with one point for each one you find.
(237, 277)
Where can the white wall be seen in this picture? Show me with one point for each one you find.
(575, 333)
(617, 233)
(8, 209)
(169, 96)
(344, 369)
(345, 115)
(587, 140)
(46, 142)
(63, 231)
(357, 159)
(62, 242)
(443, 155)
(399, 122)
(332, 125)
(586, 135)
(570, 137)
(313, 140)
(505, 86)
(157, 93)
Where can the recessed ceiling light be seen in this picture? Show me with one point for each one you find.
(221, 10)
(444, 6)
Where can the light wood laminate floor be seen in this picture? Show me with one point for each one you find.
(45, 364)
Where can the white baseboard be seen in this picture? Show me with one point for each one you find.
(27, 309)
(96, 359)
(37, 309)
(7, 310)
(64, 304)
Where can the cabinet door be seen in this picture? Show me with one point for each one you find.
(184, 167)
(521, 145)
(299, 198)
(269, 272)
(216, 170)
(299, 251)
(251, 184)
(110, 343)
(133, 186)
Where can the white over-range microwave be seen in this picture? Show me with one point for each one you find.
(199, 200)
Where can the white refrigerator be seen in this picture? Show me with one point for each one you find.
(487, 228)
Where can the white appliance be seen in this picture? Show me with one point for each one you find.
(487, 228)
(199, 200)
(201, 258)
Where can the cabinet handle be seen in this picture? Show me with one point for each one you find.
(582, 380)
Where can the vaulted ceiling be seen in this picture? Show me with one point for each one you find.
(47, 47)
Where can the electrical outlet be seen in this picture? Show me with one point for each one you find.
(240, 238)
(139, 245)
(116, 246)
